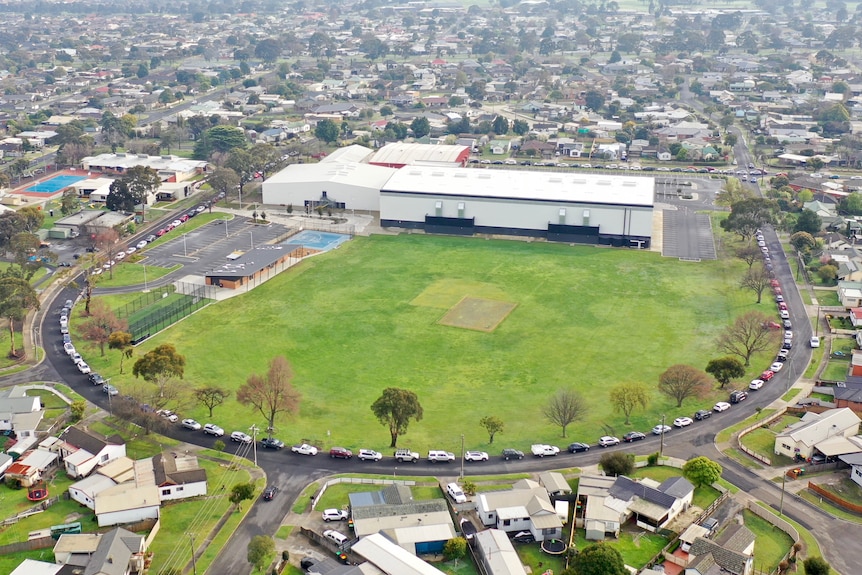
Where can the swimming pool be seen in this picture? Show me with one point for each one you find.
(323, 241)
(55, 184)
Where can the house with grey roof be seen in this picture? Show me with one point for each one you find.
(82, 450)
(494, 549)
(802, 439)
(731, 553)
(117, 552)
(524, 507)
(178, 477)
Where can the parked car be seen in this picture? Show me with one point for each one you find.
(814, 341)
(240, 437)
(578, 447)
(608, 441)
(441, 456)
(542, 450)
(272, 443)
(69, 349)
(455, 492)
(96, 379)
(633, 436)
(169, 415)
(405, 455)
(682, 422)
(191, 424)
(476, 456)
(110, 389)
(369, 455)
(213, 429)
(150, 238)
(141, 244)
(340, 453)
(767, 375)
(776, 367)
(721, 406)
(659, 429)
(83, 367)
(512, 454)
(783, 353)
(702, 414)
(269, 493)
(755, 384)
(737, 396)
(334, 515)
(336, 537)
(304, 449)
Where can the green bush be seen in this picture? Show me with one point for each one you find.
(652, 459)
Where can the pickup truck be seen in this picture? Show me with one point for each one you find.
(304, 449)
(541, 450)
(403, 455)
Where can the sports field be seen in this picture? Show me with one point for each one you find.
(368, 316)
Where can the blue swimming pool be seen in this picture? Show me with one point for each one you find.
(55, 184)
(323, 241)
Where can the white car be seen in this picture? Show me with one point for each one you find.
(304, 449)
(476, 456)
(213, 429)
(369, 455)
(130, 250)
(541, 450)
(788, 334)
(721, 406)
(776, 367)
(455, 492)
(815, 341)
(441, 456)
(659, 429)
(240, 437)
(119, 255)
(334, 515)
(191, 424)
(76, 358)
(336, 537)
(607, 441)
(755, 384)
(64, 321)
(141, 244)
(83, 367)
(682, 422)
(69, 348)
(176, 223)
(784, 314)
(169, 415)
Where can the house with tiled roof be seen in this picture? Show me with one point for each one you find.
(732, 553)
(82, 450)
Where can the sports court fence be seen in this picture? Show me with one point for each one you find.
(152, 312)
(323, 225)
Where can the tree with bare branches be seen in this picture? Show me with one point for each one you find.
(683, 381)
(211, 396)
(564, 407)
(757, 280)
(749, 253)
(102, 322)
(747, 335)
(271, 394)
(626, 397)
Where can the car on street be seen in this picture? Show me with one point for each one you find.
(76, 358)
(304, 449)
(814, 341)
(512, 454)
(69, 348)
(659, 429)
(783, 353)
(369, 455)
(441, 456)
(130, 250)
(702, 414)
(755, 384)
(120, 255)
(83, 367)
(476, 456)
(169, 415)
(191, 424)
(543, 450)
(213, 429)
(269, 493)
(240, 437)
(767, 375)
(334, 515)
(336, 537)
(577, 447)
(141, 244)
(721, 406)
(737, 396)
(340, 453)
(272, 443)
(96, 379)
(110, 389)
(776, 367)
(633, 436)
(784, 314)
(682, 422)
(608, 441)
(176, 223)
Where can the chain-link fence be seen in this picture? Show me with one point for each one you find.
(152, 312)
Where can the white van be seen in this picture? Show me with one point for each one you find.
(455, 493)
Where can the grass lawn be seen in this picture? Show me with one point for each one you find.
(375, 325)
(11, 561)
(829, 507)
(742, 458)
(790, 394)
(335, 496)
(5, 346)
(844, 344)
(816, 359)
(725, 434)
(827, 297)
(284, 531)
(531, 554)
(771, 543)
(760, 441)
(812, 548)
(836, 370)
(64, 511)
(636, 548)
(127, 274)
(54, 406)
(844, 488)
(462, 567)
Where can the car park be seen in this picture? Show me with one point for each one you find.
(682, 422)
(737, 396)
(455, 492)
(608, 441)
(543, 450)
(304, 449)
(721, 406)
(702, 414)
(476, 456)
(340, 453)
(659, 429)
(191, 424)
(577, 447)
(335, 536)
(240, 437)
(334, 515)
(269, 493)
(272, 443)
(213, 429)
(776, 367)
(633, 436)
(369, 455)
(110, 389)
(512, 454)
(755, 384)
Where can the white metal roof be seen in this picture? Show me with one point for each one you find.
(524, 185)
(401, 153)
(392, 559)
(499, 553)
(342, 172)
(353, 153)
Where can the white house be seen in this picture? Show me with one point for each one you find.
(127, 503)
(21, 414)
(31, 467)
(854, 460)
(83, 450)
(85, 491)
(801, 439)
(391, 559)
(178, 477)
(525, 507)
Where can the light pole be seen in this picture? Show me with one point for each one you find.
(194, 563)
(185, 251)
(462, 456)
(251, 238)
(253, 429)
(146, 289)
(661, 444)
(817, 322)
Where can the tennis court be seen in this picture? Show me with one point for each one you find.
(323, 241)
(54, 184)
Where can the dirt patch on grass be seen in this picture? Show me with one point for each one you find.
(477, 314)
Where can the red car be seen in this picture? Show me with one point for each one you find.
(774, 283)
(782, 305)
(767, 375)
(161, 232)
(776, 290)
(185, 218)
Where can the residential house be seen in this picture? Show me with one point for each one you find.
(801, 439)
(82, 450)
(391, 559)
(855, 363)
(178, 477)
(34, 567)
(854, 460)
(127, 503)
(848, 264)
(31, 467)
(663, 154)
(21, 415)
(85, 491)
(849, 396)
(555, 483)
(850, 293)
(499, 147)
(117, 552)
(525, 507)
(732, 553)
(494, 549)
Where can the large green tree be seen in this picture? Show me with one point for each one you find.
(17, 298)
(749, 215)
(701, 471)
(395, 408)
(808, 221)
(493, 425)
(223, 180)
(160, 366)
(816, 566)
(723, 369)
(597, 559)
(421, 127)
(222, 139)
(626, 397)
(326, 130)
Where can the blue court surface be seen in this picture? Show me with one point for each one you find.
(323, 241)
(55, 184)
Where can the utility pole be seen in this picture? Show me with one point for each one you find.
(661, 445)
(194, 562)
(462, 456)
(253, 429)
(781, 503)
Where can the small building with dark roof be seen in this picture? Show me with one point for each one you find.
(82, 450)
(178, 477)
(732, 553)
(255, 266)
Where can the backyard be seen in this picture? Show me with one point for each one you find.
(366, 317)
(762, 440)
(770, 544)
